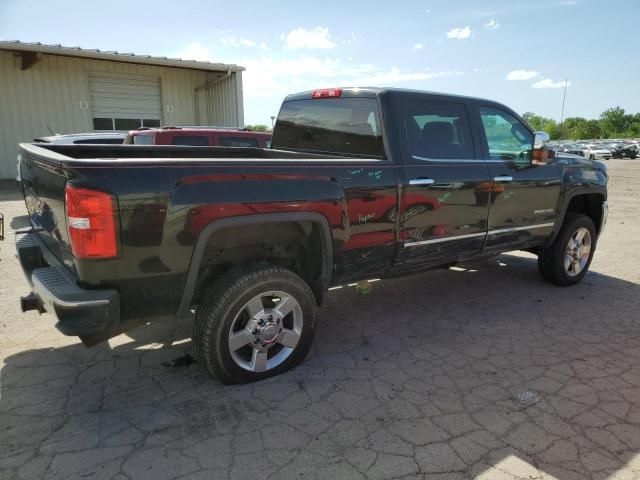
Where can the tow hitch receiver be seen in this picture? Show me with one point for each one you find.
(31, 302)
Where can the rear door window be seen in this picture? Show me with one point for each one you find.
(330, 125)
(192, 140)
(237, 142)
(437, 130)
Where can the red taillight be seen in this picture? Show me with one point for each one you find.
(92, 231)
(326, 93)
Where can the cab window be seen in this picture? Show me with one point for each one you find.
(507, 137)
(438, 130)
(349, 126)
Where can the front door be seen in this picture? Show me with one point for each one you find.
(524, 198)
(443, 204)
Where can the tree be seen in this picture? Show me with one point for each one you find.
(614, 121)
(258, 128)
(587, 129)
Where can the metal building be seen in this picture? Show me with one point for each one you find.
(47, 89)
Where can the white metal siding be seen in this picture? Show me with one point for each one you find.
(49, 97)
(125, 96)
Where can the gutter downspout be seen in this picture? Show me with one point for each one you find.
(206, 86)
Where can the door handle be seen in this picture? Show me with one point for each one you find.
(421, 181)
(503, 178)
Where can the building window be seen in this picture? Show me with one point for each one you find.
(105, 123)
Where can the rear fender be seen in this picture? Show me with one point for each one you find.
(250, 220)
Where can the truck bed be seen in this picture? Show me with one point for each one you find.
(142, 152)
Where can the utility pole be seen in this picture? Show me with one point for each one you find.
(564, 98)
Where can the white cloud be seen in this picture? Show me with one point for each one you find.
(548, 83)
(568, 3)
(351, 40)
(492, 24)
(196, 51)
(418, 46)
(522, 75)
(428, 10)
(460, 33)
(316, 38)
(269, 77)
(242, 42)
(395, 75)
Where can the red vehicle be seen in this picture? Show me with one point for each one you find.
(199, 137)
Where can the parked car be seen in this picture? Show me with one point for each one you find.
(597, 152)
(625, 151)
(75, 139)
(199, 136)
(251, 239)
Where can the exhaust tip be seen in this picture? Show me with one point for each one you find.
(31, 302)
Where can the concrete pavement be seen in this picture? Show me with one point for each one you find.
(483, 371)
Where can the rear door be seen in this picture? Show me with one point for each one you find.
(525, 195)
(444, 197)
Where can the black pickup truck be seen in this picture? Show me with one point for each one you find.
(359, 183)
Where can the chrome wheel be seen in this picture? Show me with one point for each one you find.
(265, 331)
(577, 253)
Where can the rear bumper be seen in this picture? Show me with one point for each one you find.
(80, 312)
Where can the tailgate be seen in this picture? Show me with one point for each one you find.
(43, 182)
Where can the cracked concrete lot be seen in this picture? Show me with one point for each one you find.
(481, 372)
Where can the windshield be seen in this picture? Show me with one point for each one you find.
(337, 125)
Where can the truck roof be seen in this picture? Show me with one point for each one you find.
(371, 92)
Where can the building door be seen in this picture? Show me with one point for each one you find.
(124, 102)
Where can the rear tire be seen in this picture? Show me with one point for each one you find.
(567, 260)
(255, 322)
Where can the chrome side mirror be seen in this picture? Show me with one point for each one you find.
(539, 140)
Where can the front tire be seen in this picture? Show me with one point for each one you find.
(567, 260)
(255, 322)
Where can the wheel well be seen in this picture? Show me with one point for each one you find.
(296, 245)
(588, 204)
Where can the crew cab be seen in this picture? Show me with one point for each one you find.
(359, 183)
(199, 137)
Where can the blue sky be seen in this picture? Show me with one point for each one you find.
(515, 52)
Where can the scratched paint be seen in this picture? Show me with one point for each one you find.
(377, 174)
(365, 218)
(357, 171)
(442, 198)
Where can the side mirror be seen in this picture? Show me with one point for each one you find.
(541, 155)
(539, 140)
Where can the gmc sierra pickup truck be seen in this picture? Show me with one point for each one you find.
(359, 183)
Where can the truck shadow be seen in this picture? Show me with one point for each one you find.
(479, 369)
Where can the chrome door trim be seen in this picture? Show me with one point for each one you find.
(447, 239)
(478, 234)
(517, 229)
(503, 178)
(421, 181)
(448, 160)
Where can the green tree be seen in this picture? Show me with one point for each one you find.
(614, 121)
(258, 128)
(588, 129)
